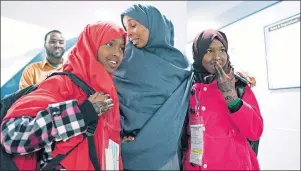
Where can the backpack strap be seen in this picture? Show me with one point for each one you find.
(92, 153)
(90, 128)
(79, 82)
(55, 161)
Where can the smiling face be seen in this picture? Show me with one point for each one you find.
(215, 53)
(111, 54)
(55, 45)
(137, 33)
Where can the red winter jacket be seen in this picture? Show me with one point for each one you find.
(225, 145)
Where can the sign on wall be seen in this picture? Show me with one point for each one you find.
(282, 41)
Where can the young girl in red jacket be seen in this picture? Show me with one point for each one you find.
(220, 122)
(54, 119)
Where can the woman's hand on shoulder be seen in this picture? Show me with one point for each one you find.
(251, 79)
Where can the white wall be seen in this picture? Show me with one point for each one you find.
(18, 46)
(280, 144)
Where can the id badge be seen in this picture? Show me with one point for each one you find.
(197, 140)
(197, 144)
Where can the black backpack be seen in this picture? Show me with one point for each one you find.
(6, 161)
(240, 86)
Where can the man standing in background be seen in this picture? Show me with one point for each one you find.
(37, 72)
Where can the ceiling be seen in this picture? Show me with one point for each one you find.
(56, 13)
(209, 9)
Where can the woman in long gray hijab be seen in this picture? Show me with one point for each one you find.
(153, 84)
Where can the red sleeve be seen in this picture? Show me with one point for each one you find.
(248, 118)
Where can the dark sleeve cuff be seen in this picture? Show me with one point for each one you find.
(89, 114)
(236, 107)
